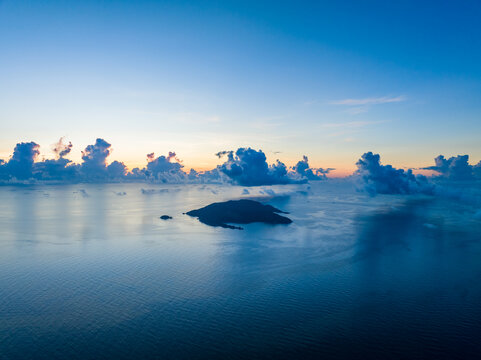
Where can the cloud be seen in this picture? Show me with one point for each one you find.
(248, 167)
(116, 170)
(153, 191)
(94, 166)
(82, 193)
(95, 159)
(456, 168)
(20, 166)
(215, 176)
(385, 179)
(268, 192)
(23, 165)
(302, 168)
(477, 170)
(369, 101)
(59, 170)
(220, 154)
(164, 168)
(61, 149)
(244, 167)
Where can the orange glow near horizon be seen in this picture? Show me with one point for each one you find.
(337, 173)
(201, 165)
(343, 162)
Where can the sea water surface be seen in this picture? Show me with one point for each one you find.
(92, 272)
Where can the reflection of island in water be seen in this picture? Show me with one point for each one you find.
(239, 212)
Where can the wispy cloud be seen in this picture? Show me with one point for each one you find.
(369, 101)
(356, 110)
(352, 124)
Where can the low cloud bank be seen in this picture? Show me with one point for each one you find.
(23, 167)
(456, 168)
(249, 167)
(303, 169)
(94, 166)
(246, 167)
(21, 164)
(456, 179)
(376, 178)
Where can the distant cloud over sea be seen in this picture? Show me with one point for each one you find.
(245, 166)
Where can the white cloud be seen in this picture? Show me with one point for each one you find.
(357, 110)
(369, 101)
(352, 124)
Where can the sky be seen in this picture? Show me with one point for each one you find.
(330, 80)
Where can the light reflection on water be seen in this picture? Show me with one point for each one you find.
(88, 273)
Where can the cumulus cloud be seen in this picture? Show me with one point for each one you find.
(94, 166)
(214, 176)
(20, 166)
(59, 169)
(23, 165)
(385, 179)
(305, 171)
(245, 166)
(61, 149)
(95, 159)
(248, 167)
(164, 167)
(193, 174)
(116, 170)
(477, 170)
(456, 168)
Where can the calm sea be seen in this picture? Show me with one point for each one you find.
(91, 272)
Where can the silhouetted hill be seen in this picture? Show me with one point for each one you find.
(239, 212)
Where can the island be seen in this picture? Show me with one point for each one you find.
(166, 217)
(239, 212)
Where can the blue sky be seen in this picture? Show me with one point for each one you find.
(330, 80)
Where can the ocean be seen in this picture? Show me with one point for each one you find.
(90, 271)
